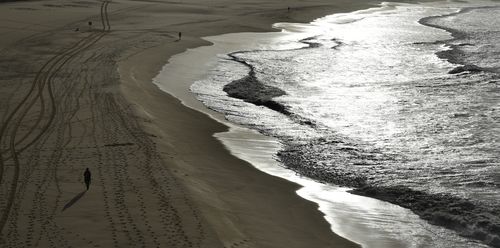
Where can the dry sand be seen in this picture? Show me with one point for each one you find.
(74, 96)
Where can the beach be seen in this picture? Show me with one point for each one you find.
(76, 92)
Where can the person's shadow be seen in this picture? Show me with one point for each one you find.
(74, 200)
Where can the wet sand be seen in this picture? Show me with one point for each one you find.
(76, 96)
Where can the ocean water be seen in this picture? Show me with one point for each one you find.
(400, 103)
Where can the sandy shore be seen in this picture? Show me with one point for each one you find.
(75, 95)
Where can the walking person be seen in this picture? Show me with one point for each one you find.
(87, 177)
(180, 36)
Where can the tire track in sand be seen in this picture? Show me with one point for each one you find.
(43, 78)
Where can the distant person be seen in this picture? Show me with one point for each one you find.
(90, 25)
(86, 178)
(77, 29)
(180, 35)
(288, 9)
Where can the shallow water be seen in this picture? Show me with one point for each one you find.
(367, 102)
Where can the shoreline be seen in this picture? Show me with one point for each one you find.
(214, 205)
(228, 210)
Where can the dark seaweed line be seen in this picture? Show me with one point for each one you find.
(249, 87)
(251, 90)
(450, 55)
